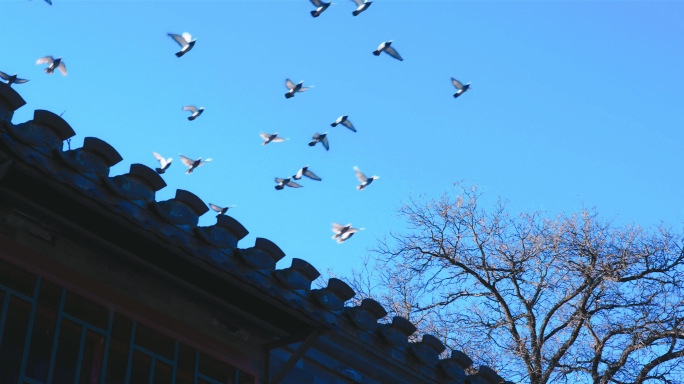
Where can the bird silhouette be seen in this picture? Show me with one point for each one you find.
(192, 164)
(321, 6)
(343, 232)
(344, 121)
(361, 6)
(461, 88)
(11, 79)
(54, 64)
(306, 172)
(220, 210)
(294, 88)
(283, 182)
(271, 138)
(385, 47)
(185, 41)
(365, 181)
(320, 138)
(195, 112)
(164, 164)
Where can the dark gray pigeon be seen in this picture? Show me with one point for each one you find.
(54, 64)
(283, 182)
(164, 164)
(320, 138)
(321, 6)
(365, 181)
(220, 210)
(461, 88)
(344, 121)
(388, 50)
(343, 232)
(12, 79)
(195, 112)
(305, 172)
(361, 6)
(185, 41)
(294, 88)
(192, 164)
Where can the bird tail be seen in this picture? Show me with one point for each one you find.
(47, 70)
(179, 54)
(360, 187)
(376, 53)
(288, 95)
(279, 187)
(311, 144)
(355, 13)
(159, 170)
(456, 95)
(333, 125)
(191, 118)
(315, 14)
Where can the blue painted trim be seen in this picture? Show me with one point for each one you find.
(84, 324)
(58, 327)
(197, 357)
(105, 355)
(129, 366)
(81, 347)
(3, 316)
(153, 355)
(175, 362)
(151, 380)
(29, 329)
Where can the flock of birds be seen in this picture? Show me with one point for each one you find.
(186, 42)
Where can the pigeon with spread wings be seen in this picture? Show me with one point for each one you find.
(11, 79)
(320, 138)
(220, 210)
(385, 47)
(343, 232)
(192, 164)
(185, 41)
(361, 6)
(320, 7)
(53, 64)
(271, 138)
(306, 172)
(365, 181)
(344, 121)
(294, 88)
(194, 110)
(283, 182)
(460, 86)
(164, 164)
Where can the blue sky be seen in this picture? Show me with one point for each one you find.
(573, 104)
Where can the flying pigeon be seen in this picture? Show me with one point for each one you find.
(363, 179)
(192, 164)
(362, 6)
(294, 88)
(320, 138)
(343, 120)
(389, 50)
(164, 163)
(283, 182)
(12, 79)
(268, 138)
(305, 172)
(343, 232)
(195, 112)
(220, 210)
(54, 64)
(461, 88)
(322, 6)
(185, 41)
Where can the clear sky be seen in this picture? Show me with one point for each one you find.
(573, 104)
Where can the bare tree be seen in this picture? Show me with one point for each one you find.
(567, 299)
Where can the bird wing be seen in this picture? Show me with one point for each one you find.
(293, 184)
(191, 108)
(349, 125)
(317, 3)
(179, 39)
(337, 227)
(186, 36)
(309, 174)
(20, 81)
(202, 162)
(359, 175)
(159, 157)
(302, 89)
(456, 83)
(358, 2)
(4, 76)
(186, 161)
(62, 68)
(215, 207)
(392, 52)
(316, 136)
(45, 60)
(289, 84)
(265, 136)
(279, 180)
(325, 142)
(278, 140)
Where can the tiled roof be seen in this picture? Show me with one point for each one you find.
(37, 145)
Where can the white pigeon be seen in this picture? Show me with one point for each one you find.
(363, 179)
(271, 138)
(321, 6)
(192, 164)
(343, 232)
(306, 172)
(195, 112)
(294, 88)
(54, 64)
(344, 121)
(220, 210)
(361, 6)
(164, 164)
(11, 79)
(283, 182)
(320, 138)
(185, 41)
(461, 88)
(387, 49)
